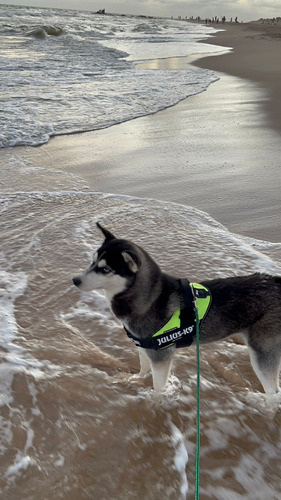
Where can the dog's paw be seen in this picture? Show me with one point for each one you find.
(133, 380)
(173, 385)
(266, 404)
(138, 379)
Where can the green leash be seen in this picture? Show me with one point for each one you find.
(197, 468)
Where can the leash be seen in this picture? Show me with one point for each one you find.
(191, 292)
(197, 467)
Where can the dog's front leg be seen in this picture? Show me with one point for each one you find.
(145, 364)
(160, 374)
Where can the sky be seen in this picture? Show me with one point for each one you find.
(245, 10)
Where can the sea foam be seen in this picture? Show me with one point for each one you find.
(74, 74)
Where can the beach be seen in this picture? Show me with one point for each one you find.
(218, 151)
(197, 185)
(255, 57)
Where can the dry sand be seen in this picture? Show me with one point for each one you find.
(218, 151)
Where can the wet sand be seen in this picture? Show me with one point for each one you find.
(255, 56)
(218, 151)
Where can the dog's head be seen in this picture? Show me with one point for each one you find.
(114, 266)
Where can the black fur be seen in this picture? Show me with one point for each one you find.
(250, 305)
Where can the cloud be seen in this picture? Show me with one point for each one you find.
(245, 9)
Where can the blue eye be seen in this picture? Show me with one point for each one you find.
(106, 270)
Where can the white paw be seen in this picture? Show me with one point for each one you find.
(173, 385)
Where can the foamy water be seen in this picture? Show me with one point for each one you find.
(75, 420)
(67, 72)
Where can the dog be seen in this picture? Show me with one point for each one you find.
(144, 299)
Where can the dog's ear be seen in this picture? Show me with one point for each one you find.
(131, 260)
(107, 234)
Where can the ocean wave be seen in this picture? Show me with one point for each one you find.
(94, 102)
(190, 229)
(83, 77)
(146, 28)
(44, 31)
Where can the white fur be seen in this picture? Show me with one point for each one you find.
(269, 378)
(160, 370)
(145, 365)
(111, 283)
(160, 374)
(130, 261)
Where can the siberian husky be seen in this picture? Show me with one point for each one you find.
(144, 299)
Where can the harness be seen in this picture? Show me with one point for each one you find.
(180, 329)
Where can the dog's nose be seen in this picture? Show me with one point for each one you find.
(76, 281)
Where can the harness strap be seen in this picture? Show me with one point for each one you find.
(187, 315)
(180, 329)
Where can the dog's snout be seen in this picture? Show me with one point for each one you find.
(76, 281)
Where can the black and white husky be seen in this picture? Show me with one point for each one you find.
(144, 299)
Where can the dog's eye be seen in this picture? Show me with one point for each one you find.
(105, 270)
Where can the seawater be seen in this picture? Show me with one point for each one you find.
(68, 71)
(76, 422)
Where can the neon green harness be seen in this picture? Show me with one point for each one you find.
(180, 329)
(202, 305)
